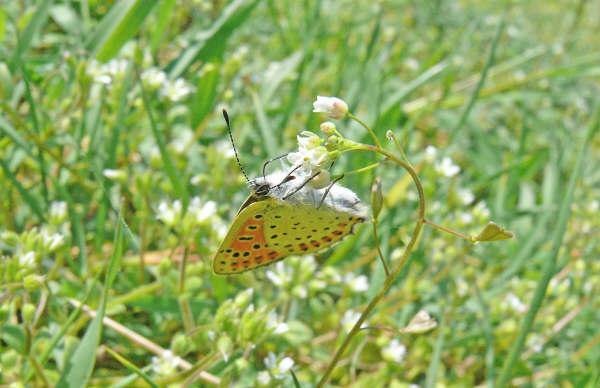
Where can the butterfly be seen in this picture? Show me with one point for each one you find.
(285, 216)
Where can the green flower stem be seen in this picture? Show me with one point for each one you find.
(440, 227)
(184, 303)
(38, 371)
(385, 266)
(393, 137)
(389, 280)
(350, 115)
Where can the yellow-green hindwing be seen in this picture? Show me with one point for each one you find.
(268, 230)
(296, 229)
(285, 217)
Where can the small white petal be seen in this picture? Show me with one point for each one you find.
(286, 364)
(335, 108)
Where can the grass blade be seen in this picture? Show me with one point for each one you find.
(173, 175)
(549, 268)
(214, 40)
(432, 371)
(79, 368)
(33, 27)
(129, 365)
(130, 23)
(27, 196)
(490, 61)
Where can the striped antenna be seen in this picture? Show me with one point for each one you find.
(226, 116)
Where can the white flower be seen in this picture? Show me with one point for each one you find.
(271, 360)
(349, 320)
(58, 212)
(594, 206)
(515, 303)
(356, 283)
(281, 275)
(204, 212)
(154, 78)
(395, 351)
(27, 259)
(481, 210)
(175, 90)
(52, 242)
(274, 323)
(447, 167)
(263, 378)
(300, 291)
(309, 158)
(224, 148)
(308, 140)
(412, 64)
(430, 152)
(466, 218)
(335, 107)
(58, 209)
(536, 342)
(169, 214)
(117, 175)
(466, 196)
(286, 364)
(166, 364)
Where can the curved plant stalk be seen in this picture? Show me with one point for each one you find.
(389, 279)
(491, 232)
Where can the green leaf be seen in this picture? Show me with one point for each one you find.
(66, 17)
(2, 24)
(493, 232)
(212, 43)
(174, 176)
(131, 366)
(33, 202)
(295, 379)
(79, 367)
(163, 15)
(33, 27)
(14, 336)
(205, 97)
(119, 25)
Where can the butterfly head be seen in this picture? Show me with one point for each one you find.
(262, 186)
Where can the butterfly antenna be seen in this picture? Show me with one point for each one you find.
(226, 116)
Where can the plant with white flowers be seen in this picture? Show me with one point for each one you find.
(312, 159)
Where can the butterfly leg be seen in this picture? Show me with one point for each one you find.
(329, 188)
(271, 160)
(310, 178)
(288, 177)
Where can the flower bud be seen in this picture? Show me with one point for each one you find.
(335, 108)
(225, 347)
(28, 313)
(9, 359)
(181, 345)
(328, 128)
(376, 197)
(33, 282)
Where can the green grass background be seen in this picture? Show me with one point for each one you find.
(507, 90)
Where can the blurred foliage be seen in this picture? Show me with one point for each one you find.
(111, 128)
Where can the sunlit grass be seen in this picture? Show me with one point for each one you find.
(118, 184)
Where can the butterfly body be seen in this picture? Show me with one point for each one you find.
(272, 224)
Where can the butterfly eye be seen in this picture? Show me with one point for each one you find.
(263, 190)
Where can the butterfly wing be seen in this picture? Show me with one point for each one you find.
(245, 247)
(296, 229)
